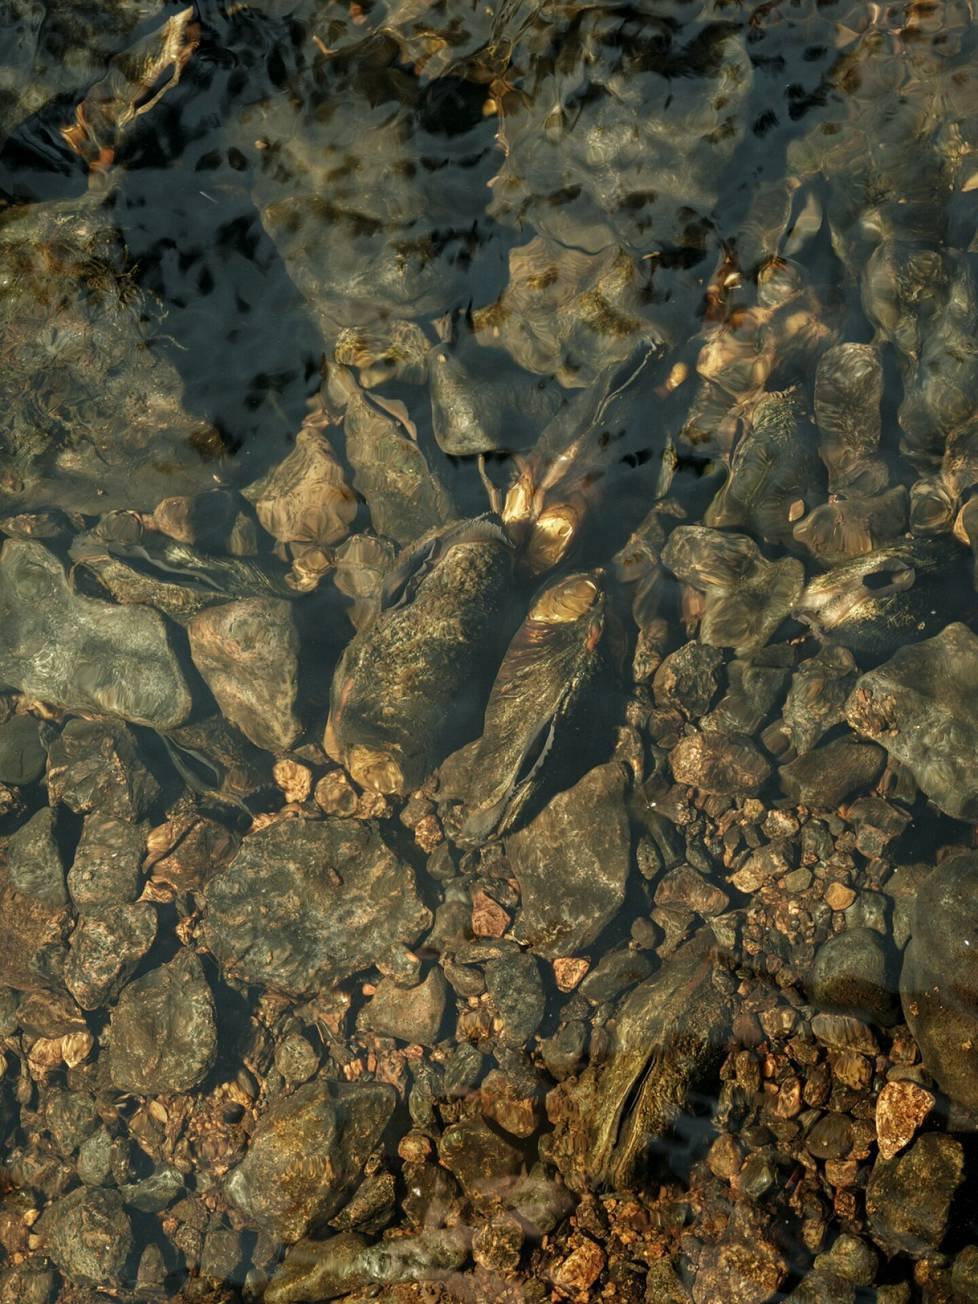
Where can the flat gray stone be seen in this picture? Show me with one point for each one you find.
(163, 1033)
(307, 1153)
(82, 654)
(582, 841)
(248, 655)
(305, 904)
(36, 867)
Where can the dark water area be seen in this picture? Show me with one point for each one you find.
(487, 652)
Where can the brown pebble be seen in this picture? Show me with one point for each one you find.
(900, 1109)
(428, 833)
(788, 1103)
(852, 1070)
(838, 896)
(582, 1267)
(489, 919)
(294, 779)
(414, 1147)
(842, 1172)
(724, 1158)
(373, 806)
(335, 794)
(569, 970)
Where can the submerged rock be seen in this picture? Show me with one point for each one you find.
(80, 653)
(909, 1197)
(324, 1270)
(583, 839)
(307, 1153)
(22, 753)
(718, 763)
(32, 939)
(851, 974)
(96, 764)
(306, 904)
(163, 1030)
(746, 597)
(827, 775)
(108, 862)
(248, 654)
(95, 418)
(88, 1236)
(412, 1014)
(939, 982)
(34, 857)
(922, 706)
(391, 473)
(105, 949)
(305, 497)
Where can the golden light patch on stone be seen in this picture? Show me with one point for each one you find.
(565, 602)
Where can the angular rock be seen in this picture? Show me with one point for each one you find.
(82, 654)
(95, 764)
(104, 950)
(922, 706)
(817, 697)
(482, 1159)
(391, 473)
(22, 753)
(583, 836)
(155, 1192)
(746, 596)
(88, 1236)
(827, 775)
(412, 1014)
(908, 1198)
(939, 981)
(688, 679)
(324, 1270)
(305, 498)
(304, 904)
(32, 939)
(516, 989)
(851, 975)
(720, 764)
(108, 862)
(248, 655)
(34, 858)
(901, 1107)
(306, 1155)
(163, 1033)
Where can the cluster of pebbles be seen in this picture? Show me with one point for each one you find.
(512, 840)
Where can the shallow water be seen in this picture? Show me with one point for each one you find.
(486, 631)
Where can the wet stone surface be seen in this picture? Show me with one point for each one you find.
(487, 653)
(305, 903)
(163, 1033)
